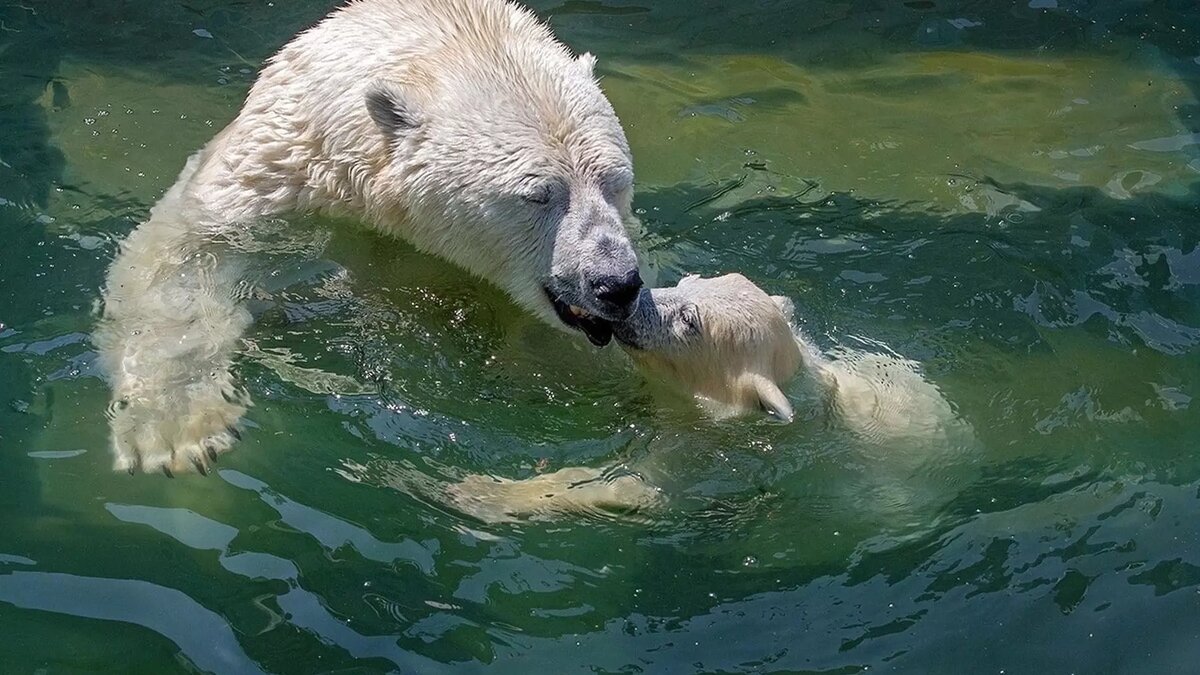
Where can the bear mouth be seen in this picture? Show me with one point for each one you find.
(598, 331)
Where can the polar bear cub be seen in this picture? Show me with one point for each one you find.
(731, 345)
(723, 340)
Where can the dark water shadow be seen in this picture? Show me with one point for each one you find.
(20, 485)
(175, 42)
(839, 35)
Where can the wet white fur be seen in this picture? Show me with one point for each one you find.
(748, 348)
(722, 340)
(496, 110)
(573, 490)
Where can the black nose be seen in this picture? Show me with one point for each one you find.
(619, 291)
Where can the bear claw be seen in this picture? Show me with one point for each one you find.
(200, 466)
(156, 437)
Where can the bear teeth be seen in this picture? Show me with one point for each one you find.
(577, 311)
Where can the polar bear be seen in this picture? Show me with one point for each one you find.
(734, 348)
(461, 126)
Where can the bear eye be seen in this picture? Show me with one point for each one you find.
(689, 319)
(538, 193)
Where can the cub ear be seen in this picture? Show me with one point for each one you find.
(587, 63)
(785, 305)
(772, 399)
(389, 110)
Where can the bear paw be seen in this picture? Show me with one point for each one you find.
(174, 439)
(577, 490)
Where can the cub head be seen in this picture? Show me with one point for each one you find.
(722, 339)
(504, 156)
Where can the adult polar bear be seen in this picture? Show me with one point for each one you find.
(461, 126)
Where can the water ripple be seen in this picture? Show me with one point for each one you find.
(332, 532)
(201, 634)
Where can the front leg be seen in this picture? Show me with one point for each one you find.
(170, 327)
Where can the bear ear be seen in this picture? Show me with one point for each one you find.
(772, 399)
(786, 306)
(389, 110)
(587, 63)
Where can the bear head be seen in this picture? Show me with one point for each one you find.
(722, 339)
(504, 156)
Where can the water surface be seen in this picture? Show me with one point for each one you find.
(1007, 195)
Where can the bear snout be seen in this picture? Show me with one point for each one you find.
(610, 277)
(619, 291)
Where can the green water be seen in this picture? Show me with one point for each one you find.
(1007, 195)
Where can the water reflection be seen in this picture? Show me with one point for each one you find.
(333, 533)
(300, 607)
(203, 637)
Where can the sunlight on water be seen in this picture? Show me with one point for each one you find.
(985, 216)
(914, 127)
